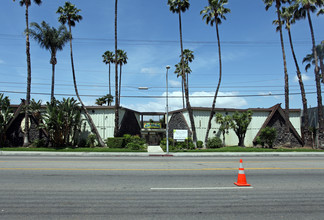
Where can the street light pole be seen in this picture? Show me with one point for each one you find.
(167, 111)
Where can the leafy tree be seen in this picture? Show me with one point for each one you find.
(70, 14)
(108, 58)
(278, 4)
(51, 39)
(240, 123)
(178, 6)
(304, 10)
(27, 3)
(214, 13)
(225, 124)
(268, 136)
(287, 15)
(5, 117)
(121, 60)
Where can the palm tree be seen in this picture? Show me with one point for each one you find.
(278, 3)
(288, 19)
(108, 58)
(51, 39)
(100, 101)
(309, 59)
(70, 14)
(188, 57)
(213, 14)
(306, 7)
(178, 6)
(107, 99)
(121, 60)
(116, 129)
(27, 3)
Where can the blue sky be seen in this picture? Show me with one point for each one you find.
(149, 33)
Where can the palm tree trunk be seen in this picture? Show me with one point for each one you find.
(285, 73)
(26, 134)
(53, 62)
(116, 129)
(322, 69)
(317, 80)
(306, 132)
(88, 117)
(212, 112)
(120, 73)
(182, 93)
(189, 109)
(109, 80)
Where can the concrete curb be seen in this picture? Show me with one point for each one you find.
(146, 154)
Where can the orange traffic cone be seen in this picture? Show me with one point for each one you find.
(241, 179)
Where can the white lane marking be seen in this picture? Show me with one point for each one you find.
(203, 188)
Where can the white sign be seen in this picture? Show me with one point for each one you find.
(180, 134)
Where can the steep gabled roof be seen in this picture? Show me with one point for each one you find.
(274, 110)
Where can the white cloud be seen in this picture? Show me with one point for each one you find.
(1, 61)
(150, 70)
(304, 78)
(175, 83)
(197, 99)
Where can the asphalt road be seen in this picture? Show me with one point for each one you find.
(160, 188)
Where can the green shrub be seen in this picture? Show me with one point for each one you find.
(200, 144)
(39, 143)
(91, 140)
(127, 138)
(174, 146)
(268, 136)
(115, 142)
(214, 142)
(135, 142)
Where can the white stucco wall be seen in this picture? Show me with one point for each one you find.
(201, 118)
(104, 119)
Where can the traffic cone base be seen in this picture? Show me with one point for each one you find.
(241, 179)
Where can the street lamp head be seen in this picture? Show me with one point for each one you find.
(167, 67)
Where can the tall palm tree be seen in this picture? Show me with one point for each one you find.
(116, 129)
(309, 59)
(70, 14)
(278, 4)
(108, 58)
(51, 39)
(121, 60)
(27, 3)
(306, 7)
(178, 6)
(188, 57)
(288, 19)
(213, 14)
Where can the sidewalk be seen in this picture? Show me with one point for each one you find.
(162, 154)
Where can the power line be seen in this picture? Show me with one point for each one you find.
(161, 96)
(145, 41)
